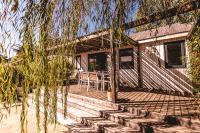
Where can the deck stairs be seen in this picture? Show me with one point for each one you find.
(89, 115)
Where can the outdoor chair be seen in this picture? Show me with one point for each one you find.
(93, 81)
(105, 80)
(83, 79)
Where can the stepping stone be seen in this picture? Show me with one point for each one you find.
(175, 129)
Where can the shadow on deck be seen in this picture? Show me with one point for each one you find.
(168, 104)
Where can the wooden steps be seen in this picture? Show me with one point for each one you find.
(97, 116)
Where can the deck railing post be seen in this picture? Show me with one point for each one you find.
(113, 68)
(117, 71)
(139, 67)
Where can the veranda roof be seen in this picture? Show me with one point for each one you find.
(98, 41)
(101, 40)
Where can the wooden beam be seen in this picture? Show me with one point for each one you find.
(181, 9)
(88, 45)
(83, 38)
(113, 68)
(80, 49)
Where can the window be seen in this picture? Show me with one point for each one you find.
(175, 54)
(97, 62)
(78, 62)
(126, 58)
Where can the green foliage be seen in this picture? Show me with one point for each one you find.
(47, 29)
(194, 58)
(151, 6)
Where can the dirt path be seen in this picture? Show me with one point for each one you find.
(11, 123)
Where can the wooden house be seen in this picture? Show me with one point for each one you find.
(151, 59)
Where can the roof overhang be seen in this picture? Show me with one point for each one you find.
(98, 41)
(101, 41)
(162, 38)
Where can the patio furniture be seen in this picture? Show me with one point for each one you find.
(105, 79)
(83, 79)
(93, 80)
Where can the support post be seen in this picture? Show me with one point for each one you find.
(113, 68)
(117, 71)
(139, 67)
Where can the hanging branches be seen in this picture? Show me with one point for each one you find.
(42, 24)
(194, 57)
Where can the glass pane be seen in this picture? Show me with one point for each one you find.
(175, 54)
(126, 58)
(97, 62)
(78, 62)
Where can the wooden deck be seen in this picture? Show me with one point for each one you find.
(155, 102)
(127, 96)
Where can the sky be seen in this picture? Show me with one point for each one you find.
(9, 35)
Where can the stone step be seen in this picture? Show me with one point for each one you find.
(190, 123)
(119, 129)
(82, 129)
(104, 125)
(135, 122)
(145, 124)
(185, 122)
(144, 113)
(108, 114)
(176, 107)
(158, 109)
(140, 121)
(142, 124)
(161, 113)
(175, 129)
(121, 118)
(170, 114)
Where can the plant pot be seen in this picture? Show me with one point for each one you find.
(109, 96)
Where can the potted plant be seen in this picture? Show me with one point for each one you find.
(93, 66)
(109, 94)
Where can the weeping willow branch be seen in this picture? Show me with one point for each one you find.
(194, 58)
(43, 24)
